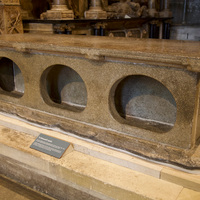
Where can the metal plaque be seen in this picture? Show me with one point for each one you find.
(49, 145)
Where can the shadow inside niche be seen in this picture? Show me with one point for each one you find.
(66, 88)
(11, 79)
(145, 103)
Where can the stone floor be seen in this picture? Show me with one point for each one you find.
(12, 190)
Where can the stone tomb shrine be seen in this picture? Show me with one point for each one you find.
(138, 95)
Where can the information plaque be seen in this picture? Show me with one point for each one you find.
(49, 145)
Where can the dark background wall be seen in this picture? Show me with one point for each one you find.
(186, 19)
(186, 11)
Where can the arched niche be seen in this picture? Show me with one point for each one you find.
(64, 87)
(11, 78)
(144, 102)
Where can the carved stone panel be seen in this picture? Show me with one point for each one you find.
(10, 17)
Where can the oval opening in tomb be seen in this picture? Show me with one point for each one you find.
(145, 103)
(65, 88)
(11, 78)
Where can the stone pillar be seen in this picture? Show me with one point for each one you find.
(59, 5)
(166, 4)
(26, 9)
(95, 11)
(10, 17)
(166, 11)
(152, 8)
(59, 11)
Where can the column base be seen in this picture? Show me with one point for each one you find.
(96, 14)
(165, 13)
(58, 14)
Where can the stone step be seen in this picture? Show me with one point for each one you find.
(90, 171)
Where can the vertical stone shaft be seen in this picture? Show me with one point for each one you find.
(166, 10)
(152, 4)
(59, 2)
(152, 8)
(166, 5)
(95, 5)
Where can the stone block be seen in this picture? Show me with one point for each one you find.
(187, 180)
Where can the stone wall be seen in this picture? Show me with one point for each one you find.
(189, 15)
(185, 33)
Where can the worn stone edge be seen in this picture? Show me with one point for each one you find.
(158, 152)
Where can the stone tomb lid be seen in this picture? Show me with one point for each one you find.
(184, 54)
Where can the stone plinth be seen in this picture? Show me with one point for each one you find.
(95, 11)
(59, 11)
(10, 17)
(138, 95)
